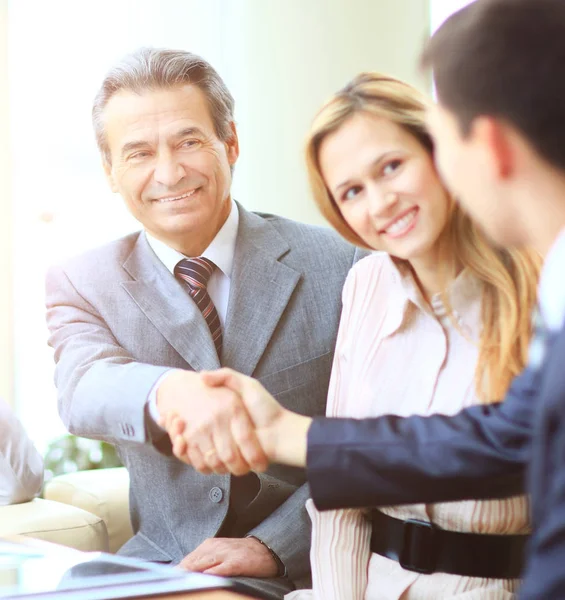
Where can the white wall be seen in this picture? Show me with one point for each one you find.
(441, 9)
(288, 57)
(280, 58)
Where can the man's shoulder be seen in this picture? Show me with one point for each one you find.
(307, 237)
(103, 257)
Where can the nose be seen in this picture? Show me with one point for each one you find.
(381, 201)
(168, 170)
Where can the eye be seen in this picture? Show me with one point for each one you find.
(392, 166)
(189, 143)
(138, 155)
(351, 192)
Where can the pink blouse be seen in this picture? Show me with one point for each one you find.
(397, 355)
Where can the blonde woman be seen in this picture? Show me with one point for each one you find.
(438, 320)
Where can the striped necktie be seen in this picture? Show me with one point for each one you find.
(196, 272)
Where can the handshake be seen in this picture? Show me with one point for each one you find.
(225, 422)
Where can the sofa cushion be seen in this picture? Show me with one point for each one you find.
(102, 492)
(55, 522)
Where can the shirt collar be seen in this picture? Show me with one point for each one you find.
(220, 251)
(551, 291)
(465, 294)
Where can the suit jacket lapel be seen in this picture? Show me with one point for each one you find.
(167, 304)
(260, 290)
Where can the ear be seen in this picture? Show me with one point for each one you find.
(495, 139)
(108, 171)
(232, 145)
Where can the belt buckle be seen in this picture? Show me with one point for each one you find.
(419, 549)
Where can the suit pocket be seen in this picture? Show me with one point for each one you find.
(140, 546)
(272, 493)
(302, 387)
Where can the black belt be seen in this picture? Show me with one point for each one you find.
(423, 547)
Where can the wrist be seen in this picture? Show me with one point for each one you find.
(291, 439)
(165, 391)
(281, 568)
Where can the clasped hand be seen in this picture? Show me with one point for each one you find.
(225, 422)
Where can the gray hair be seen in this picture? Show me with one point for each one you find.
(159, 68)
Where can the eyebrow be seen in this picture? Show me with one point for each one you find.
(188, 131)
(137, 144)
(373, 164)
(126, 148)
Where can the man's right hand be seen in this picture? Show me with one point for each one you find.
(212, 418)
(282, 433)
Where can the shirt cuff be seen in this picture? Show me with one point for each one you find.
(152, 409)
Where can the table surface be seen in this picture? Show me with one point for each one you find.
(217, 595)
(196, 595)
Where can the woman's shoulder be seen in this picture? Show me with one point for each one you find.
(375, 269)
(370, 280)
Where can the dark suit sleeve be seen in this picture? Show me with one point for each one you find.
(545, 575)
(480, 452)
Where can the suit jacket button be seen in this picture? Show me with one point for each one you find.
(216, 494)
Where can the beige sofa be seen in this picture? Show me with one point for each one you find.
(103, 493)
(55, 522)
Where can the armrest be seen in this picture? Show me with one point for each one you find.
(54, 522)
(102, 492)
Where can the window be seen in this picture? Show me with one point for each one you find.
(279, 58)
(58, 54)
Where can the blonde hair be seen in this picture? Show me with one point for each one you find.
(509, 277)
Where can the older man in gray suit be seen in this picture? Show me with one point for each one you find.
(206, 284)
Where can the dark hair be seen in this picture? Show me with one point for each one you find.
(158, 68)
(505, 59)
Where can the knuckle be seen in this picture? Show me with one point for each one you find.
(229, 455)
(255, 457)
(245, 435)
(196, 461)
(215, 463)
(239, 470)
(242, 468)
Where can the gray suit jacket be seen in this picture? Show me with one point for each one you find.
(118, 320)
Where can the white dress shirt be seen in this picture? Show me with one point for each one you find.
(221, 252)
(552, 286)
(21, 466)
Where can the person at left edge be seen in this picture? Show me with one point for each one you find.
(21, 466)
(131, 321)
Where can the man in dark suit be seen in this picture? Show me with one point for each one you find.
(500, 133)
